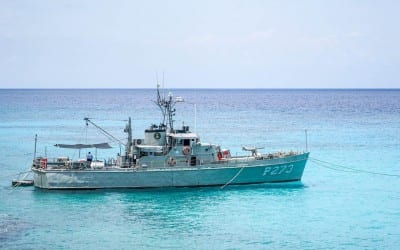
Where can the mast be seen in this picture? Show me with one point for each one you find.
(34, 152)
(128, 129)
(167, 107)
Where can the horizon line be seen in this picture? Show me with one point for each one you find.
(178, 88)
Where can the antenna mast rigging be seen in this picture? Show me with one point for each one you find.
(167, 107)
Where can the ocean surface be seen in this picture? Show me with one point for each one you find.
(349, 196)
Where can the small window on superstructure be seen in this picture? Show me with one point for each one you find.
(186, 142)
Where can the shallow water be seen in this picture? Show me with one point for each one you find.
(332, 207)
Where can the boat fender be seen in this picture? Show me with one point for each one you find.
(219, 156)
(171, 161)
(186, 150)
(43, 163)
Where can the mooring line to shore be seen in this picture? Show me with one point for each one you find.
(342, 168)
(10, 175)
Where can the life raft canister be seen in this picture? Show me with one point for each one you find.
(43, 163)
(186, 150)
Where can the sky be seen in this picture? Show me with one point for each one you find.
(199, 44)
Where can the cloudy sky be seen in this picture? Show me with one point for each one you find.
(200, 44)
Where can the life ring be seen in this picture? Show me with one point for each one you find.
(219, 156)
(43, 163)
(171, 161)
(157, 136)
(186, 150)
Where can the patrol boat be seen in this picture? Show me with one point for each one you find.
(166, 157)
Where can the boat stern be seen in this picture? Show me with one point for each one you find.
(40, 178)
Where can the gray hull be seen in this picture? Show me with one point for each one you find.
(229, 173)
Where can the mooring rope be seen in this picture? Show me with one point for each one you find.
(325, 165)
(17, 174)
(234, 177)
(18, 184)
(342, 168)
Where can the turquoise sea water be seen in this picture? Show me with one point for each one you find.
(333, 206)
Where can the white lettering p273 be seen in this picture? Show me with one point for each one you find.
(277, 170)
